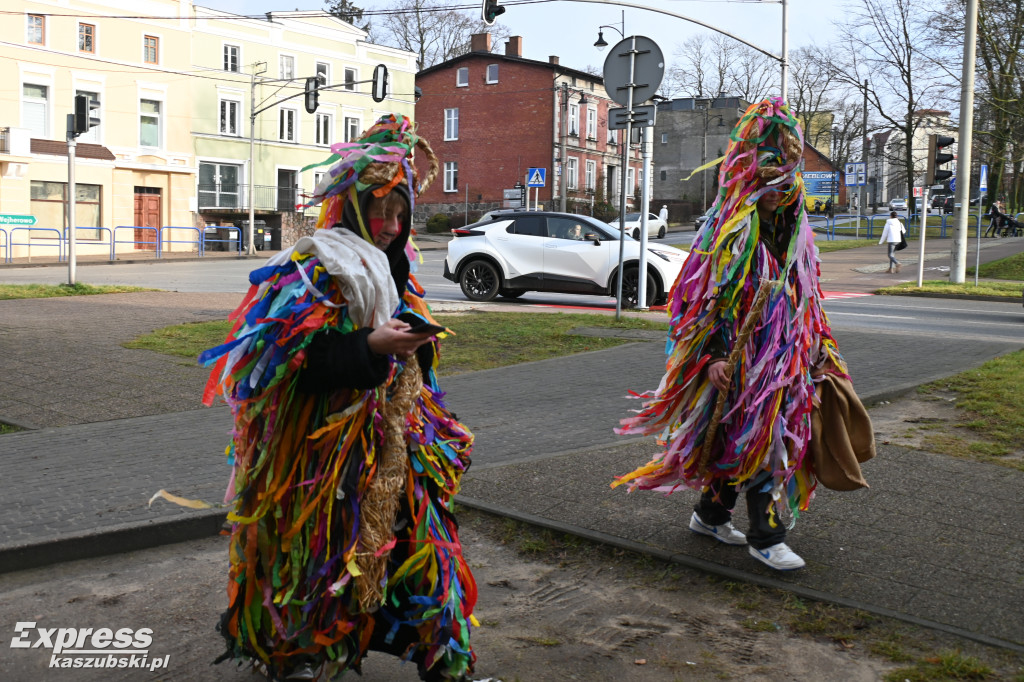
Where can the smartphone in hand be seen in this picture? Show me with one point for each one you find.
(425, 328)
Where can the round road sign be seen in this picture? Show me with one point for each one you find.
(648, 67)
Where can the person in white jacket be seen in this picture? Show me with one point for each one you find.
(892, 233)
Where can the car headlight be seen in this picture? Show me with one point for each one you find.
(670, 256)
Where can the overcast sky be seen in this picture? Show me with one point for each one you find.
(568, 29)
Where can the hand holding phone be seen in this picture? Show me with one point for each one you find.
(425, 328)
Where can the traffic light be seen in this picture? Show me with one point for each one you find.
(312, 94)
(935, 175)
(84, 114)
(490, 11)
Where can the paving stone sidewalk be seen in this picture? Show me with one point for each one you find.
(934, 539)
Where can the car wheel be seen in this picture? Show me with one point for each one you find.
(661, 232)
(636, 234)
(479, 281)
(631, 288)
(511, 293)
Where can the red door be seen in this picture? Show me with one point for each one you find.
(147, 215)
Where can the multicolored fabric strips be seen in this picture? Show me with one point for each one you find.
(301, 466)
(766, 422)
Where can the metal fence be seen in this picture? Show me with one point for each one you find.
(235, 197)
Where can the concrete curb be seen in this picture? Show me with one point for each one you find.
(956, 297)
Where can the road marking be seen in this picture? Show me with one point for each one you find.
(833, 295)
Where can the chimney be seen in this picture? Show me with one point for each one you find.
(514, 47)
(480, 42)
(553, 59)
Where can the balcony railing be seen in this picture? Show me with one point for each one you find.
(235, 197)
(5, 140)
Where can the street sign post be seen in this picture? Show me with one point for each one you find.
(15, 220)
(536, 177)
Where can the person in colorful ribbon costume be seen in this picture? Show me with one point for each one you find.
(733, 408)
(345, 458)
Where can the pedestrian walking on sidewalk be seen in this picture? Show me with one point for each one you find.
(996, 219)
(663, 214)
(892, 234)
(755, 440)
(345, 458)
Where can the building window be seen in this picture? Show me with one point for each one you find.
(590, 176)
(286, 66)
(451, 124)
(35, 109)
(323, 71)
(451, 176)
(462, 77)
(352, 126)
(318, 177)
(574, 117)
(572, 173)
(230, 115)
(93, 134)
(591, 124)
(324, 126)
(87, 38)
(492, 73)
(35, 29)
(286, 125)
(664, 138)
(219, 185)
(631, 180)
(48, 202)
(151, 49)
(150, 132)
(231, 58)
(351, 76)
(664, 176)
(613, 136)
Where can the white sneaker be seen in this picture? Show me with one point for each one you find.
(780, 557)
(724, 533)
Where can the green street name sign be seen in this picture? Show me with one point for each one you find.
(17, 220)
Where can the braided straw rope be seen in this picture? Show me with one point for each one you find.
(749, 323)
(384, 173)
(384, 492)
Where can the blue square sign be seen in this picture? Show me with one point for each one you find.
(536, 177)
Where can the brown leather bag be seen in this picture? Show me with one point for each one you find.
(842, 437)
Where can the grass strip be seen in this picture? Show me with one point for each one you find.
(829, 245)
(966, 289)
(482, 340)
(1004, 268)
(15, 291)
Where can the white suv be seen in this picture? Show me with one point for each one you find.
(519, 251)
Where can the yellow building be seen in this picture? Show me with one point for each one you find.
(137, 167)
(262, 65)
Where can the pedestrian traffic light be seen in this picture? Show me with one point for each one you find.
(490, 11)
(380, 83)
(312, 94)
(85, 118)
(935, 175)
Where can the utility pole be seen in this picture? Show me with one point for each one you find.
(562, 178)
(72, 142)
(864, 159)
(958, 256)
(250, 228)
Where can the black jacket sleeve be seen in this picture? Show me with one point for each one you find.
(335, 361)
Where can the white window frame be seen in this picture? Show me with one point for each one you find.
(350, 85)
(451, 176)
(45, 101)
(286, 72)
(451, 124)
(324, 128)
(283, 114)
(159, 122)
(353, 126)
(326, 71)
(664, 138)
(574, 119)
(613, 136)
(317, 177)
(487, 77)
(221, 102)
(591, 123)
(631, 180)
(590, 175)
(225, 48)
(462, 77)
(572, 172)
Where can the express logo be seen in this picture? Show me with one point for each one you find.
(90, 648)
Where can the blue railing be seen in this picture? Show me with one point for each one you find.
(59, 242)
(197, 242)
(913, 224)
(5, 245)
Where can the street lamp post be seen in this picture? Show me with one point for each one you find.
(601, 43)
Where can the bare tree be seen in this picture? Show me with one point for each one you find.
(887, 48)
(434, 30)
(347, 11)
(711, 64)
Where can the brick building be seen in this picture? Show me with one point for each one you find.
(490, 117)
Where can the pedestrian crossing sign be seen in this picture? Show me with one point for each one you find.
(536, 177)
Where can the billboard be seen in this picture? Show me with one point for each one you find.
(819, 187)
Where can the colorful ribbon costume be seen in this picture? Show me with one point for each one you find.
(342, 534)
(765, 425)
